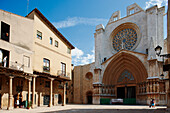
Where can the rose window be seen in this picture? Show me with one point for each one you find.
(125, 39)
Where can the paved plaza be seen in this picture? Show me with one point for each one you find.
(73, 108)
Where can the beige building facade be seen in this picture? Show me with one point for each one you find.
(126, 65)
(35, 61)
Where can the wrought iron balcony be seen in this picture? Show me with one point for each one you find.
(63, 73)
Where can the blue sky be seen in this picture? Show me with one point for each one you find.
(77, 19)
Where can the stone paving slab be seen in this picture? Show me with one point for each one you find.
(73, 108)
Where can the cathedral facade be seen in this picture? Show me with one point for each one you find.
(126, 65)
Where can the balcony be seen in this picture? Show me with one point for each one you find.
(46, 69)
(63, 73)
(16, 66)
(11, 65)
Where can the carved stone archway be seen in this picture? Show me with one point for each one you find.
(124, 61)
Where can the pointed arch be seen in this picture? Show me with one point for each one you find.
(124, 61)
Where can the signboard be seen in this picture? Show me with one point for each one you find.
(166, 67)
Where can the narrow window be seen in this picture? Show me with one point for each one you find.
(39, 35)
(104, 59)
(132, 11)
(56, 43)
(51, 41)
(68, 50)
(63, 69)
(5, 31)
(146, 51)
(115, 18)
(46, 65)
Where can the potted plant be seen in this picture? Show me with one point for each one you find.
(29, 105)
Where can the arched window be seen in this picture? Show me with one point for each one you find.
(126, 75)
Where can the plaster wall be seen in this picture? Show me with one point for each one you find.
(56, 55)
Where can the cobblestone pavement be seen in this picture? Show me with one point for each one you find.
(73, 108)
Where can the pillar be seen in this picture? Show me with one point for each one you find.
(10, 98)
(33, 92)
(29, 91)
(64, 94)
(51, 92)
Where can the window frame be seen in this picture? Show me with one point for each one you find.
(45, 67)
(68, 50)
(38, 35)
(63, 69)
(131, 11)
(5, 28)
(56, 43)
(51, 41)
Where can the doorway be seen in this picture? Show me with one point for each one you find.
(121, 92)
(89, 97)
(59, 99)
(126, 92)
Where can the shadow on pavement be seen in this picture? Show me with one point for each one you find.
(110, 111)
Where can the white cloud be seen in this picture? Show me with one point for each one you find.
(156, 2)
(78, 57)
(73, 21)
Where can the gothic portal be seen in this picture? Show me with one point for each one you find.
(126, 65)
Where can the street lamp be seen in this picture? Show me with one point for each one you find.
(158, 50)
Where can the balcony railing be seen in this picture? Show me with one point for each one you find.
(46, 69)
(16, 66)
(12, 65)
(63, 73)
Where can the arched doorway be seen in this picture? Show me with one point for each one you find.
(59, 99)
(123, 74)
(89, 95)
(125, 89)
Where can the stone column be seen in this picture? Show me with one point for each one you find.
(33, 92)
(51, 92)
(29, 90)
(64, 94)
(10, 98)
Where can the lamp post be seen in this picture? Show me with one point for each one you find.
(166, 67)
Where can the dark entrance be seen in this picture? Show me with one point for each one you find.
(131, 92)
(121, 92)
(126, 92)
(59, 99)
(46, 99)
(89, 97)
